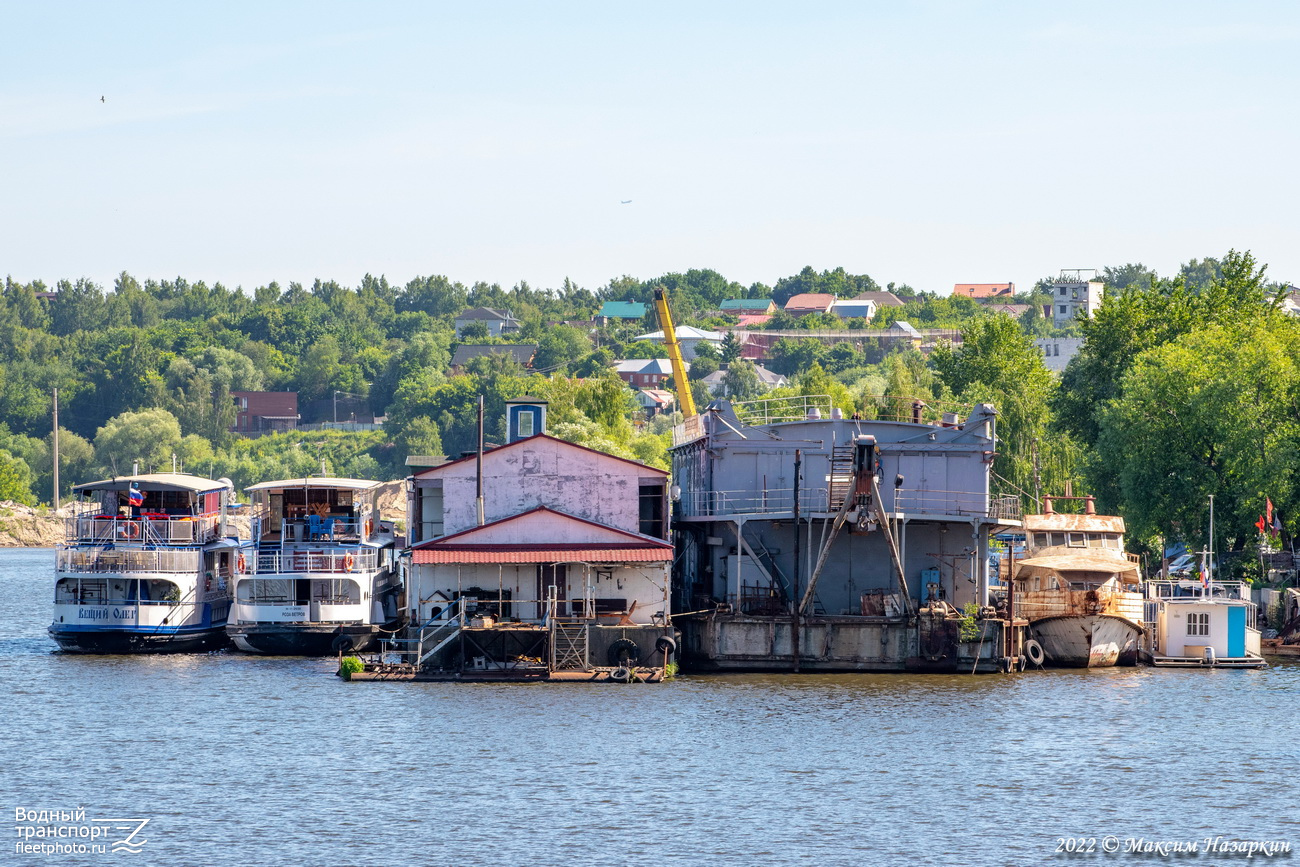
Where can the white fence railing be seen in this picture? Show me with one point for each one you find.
(127, 560)
(154, 530)
(278, 563)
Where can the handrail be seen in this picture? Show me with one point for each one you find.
(451, 616)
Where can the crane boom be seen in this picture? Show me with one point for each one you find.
(680, 385)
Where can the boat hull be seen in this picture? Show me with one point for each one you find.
(115, 641)
(1087, 640)
(287, 639)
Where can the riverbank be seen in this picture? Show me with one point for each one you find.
(31, 526)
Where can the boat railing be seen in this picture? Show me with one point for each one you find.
(352, 560)
(146, 529)
(127, 560)
(814, 500)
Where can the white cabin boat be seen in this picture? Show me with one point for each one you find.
(1192, 625)
(325, 575)
(1079, 590)
(146, 566)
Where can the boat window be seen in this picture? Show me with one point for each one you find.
(276, 591)
(1076, 540)
(1198, 623)
(1058, 539)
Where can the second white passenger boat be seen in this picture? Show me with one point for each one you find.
(325, 577)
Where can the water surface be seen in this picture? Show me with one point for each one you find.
(252, 760)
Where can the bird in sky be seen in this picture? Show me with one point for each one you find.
(625, 201)
(101, 99)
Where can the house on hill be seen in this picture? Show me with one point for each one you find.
(522, 353)
(498, 322)
(809, 302)
(264, 412)
(645, 372)
(748, 306)
(688, 337)
(620, 311)
(854, 308)
(882, 299)
(984, 291)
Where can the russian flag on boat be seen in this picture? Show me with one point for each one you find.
(134, 497)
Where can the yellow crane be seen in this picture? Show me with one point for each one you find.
(680, 384)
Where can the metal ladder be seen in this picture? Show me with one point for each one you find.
(569, 649)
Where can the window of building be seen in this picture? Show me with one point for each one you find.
(1062, 309)
(653, 511)
(1062, 291)
(1198, 623)
(526, 423)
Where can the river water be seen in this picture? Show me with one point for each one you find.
(247, 760)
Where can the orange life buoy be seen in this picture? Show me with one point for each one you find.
(348, 562)
(243, 564)
(369, 525)
(129, 530)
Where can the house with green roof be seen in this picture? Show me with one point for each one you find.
(748, 306)
(621, 310)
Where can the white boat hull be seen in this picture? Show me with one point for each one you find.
(1087, 640)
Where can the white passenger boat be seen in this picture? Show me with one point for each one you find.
(325, 576)
(146, 566)
(1078, 589)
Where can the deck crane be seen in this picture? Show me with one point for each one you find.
(680, 384)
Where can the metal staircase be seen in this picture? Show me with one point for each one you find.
(569, 648)
(422, 642)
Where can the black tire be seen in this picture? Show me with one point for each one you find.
(341, 644)
(666, 645)
(1005, 664)
(621, 675)
(623, 652)
(1034, 652)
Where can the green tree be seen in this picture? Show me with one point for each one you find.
(150, 437)
(740, 382)
(997, 363)
(731, 348)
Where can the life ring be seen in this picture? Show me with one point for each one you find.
(242, 563)
(1034, 652)
(622, 674)
(129, 530)
(369, 525)
(349, 561)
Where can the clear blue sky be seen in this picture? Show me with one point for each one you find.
(921, 142)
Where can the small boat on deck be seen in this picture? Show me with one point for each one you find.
(324, 577)
(1078, 589)
(146, 566)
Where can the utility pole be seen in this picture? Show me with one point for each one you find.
(56, 449)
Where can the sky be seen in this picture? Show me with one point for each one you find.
(926, 143)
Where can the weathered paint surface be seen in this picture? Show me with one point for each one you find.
(540, 471)
(1088, 641)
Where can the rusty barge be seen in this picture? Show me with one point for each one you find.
(807, 541)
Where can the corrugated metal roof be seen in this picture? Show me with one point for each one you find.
(154, 482)
(566, 553)
(315, 482)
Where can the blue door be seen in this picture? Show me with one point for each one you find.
(1237, 631)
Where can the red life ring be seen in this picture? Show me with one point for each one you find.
(349, 561)
(129, 530)
(369, 525)
(243, 564)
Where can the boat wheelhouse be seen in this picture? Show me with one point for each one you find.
(324, 577)
(1201, 624)
(1078, 589)
(146, 566)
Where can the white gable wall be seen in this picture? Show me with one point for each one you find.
(543, 472)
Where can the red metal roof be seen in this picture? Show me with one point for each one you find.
(558, 553)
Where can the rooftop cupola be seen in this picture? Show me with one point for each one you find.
(525, 416)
